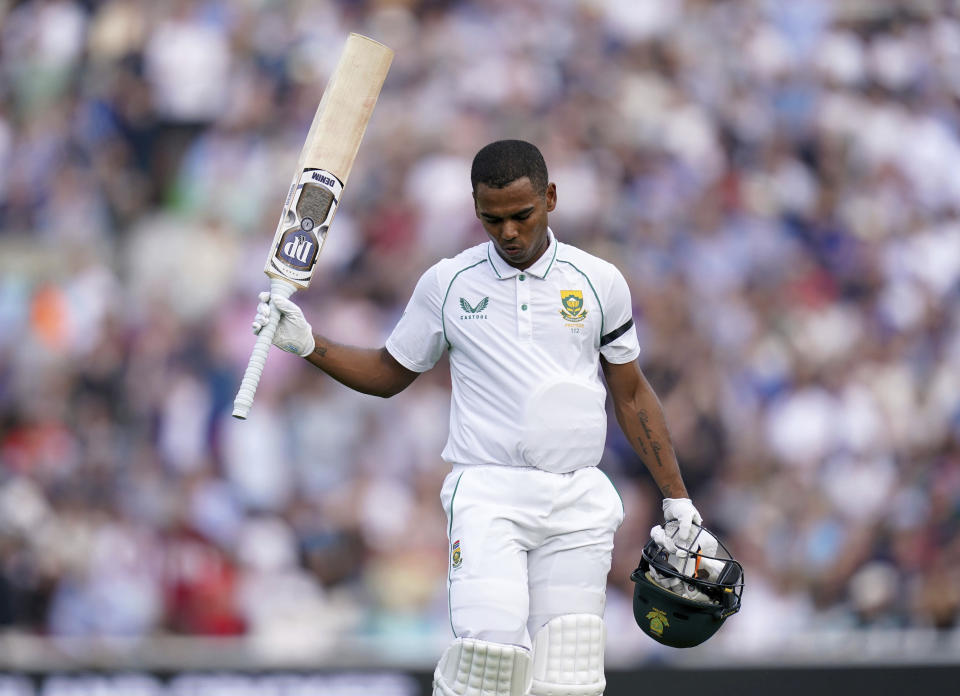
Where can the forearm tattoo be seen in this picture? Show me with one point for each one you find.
(644, 418)
(319, 350)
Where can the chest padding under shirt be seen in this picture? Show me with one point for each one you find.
(565, 425)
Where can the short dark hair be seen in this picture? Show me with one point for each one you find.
(502, 162)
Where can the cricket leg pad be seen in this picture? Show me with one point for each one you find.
(471, 667)
(568, 657)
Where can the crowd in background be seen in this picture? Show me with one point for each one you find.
(778, 181)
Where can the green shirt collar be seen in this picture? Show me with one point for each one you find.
(539, 269)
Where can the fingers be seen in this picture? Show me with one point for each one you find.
(267, 301)
(263, 314)
(680, 535)
(683, 539)
(294, 333)
(681, 513)
(687, 532)
(287, 307)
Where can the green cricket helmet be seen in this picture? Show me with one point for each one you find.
(681, 602)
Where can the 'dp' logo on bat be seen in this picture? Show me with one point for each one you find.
(311, 204)
(298, 249)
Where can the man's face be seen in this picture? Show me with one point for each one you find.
(515, 218)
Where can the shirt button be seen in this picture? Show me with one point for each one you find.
(523, 277)
(523, 307)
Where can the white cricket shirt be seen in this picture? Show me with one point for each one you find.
(524, 352)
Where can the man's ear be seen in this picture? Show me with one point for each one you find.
(551, 196)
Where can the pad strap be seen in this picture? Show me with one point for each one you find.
(471, 667)
(568, 657)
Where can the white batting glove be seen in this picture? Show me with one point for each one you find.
(294, 333)
(682, 512)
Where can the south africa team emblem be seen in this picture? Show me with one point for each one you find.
(658, 620)
(571, 302)
(456, 558)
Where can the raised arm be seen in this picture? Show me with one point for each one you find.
(369, 370)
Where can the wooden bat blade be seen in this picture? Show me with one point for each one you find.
(326, 159)
(319, 179)
(346, 106)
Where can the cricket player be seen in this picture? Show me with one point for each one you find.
(527, 321)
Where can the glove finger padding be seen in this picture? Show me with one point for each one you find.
(262, 318)
(294, 333)
(288, 308)
(685, 515)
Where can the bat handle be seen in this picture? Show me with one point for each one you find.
(251, 377)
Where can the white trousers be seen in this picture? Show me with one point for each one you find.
(526, 546)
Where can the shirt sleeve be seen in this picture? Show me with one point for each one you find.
(417, 340)
(618, 343)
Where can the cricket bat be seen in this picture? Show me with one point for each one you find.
(318, 182)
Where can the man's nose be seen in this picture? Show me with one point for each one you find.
(511, 229)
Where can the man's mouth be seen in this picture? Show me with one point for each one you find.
(512, 250)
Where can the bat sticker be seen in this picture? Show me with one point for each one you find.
(312, 202)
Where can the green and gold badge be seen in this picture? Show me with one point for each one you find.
(456, 558)
(571, 302)
(658, 620)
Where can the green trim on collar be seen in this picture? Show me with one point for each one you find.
(510, 271)
(492, 264)
(556, 245)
